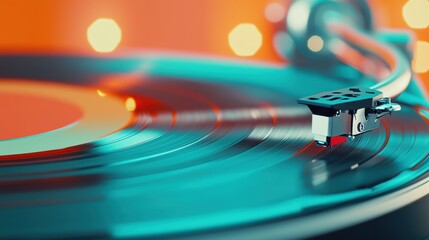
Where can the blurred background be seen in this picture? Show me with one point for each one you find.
(214, 27)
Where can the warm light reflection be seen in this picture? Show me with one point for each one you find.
(416, 13)
(315, 43)
(130, 104)
(275, 12)
(421, 57)
(104, 35)
(100, 93)
(245, 40)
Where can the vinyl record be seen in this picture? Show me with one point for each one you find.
(177, 147)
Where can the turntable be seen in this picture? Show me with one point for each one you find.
(161, 145)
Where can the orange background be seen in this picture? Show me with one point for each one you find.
(200, 26)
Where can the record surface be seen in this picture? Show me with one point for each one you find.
(201, 146)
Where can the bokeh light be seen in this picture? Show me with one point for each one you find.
(416, 13)
(421, 57)
(245, 40)
(100, 93)
(315, 43)
(130, 104)
(275, 12)
(104, 35)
